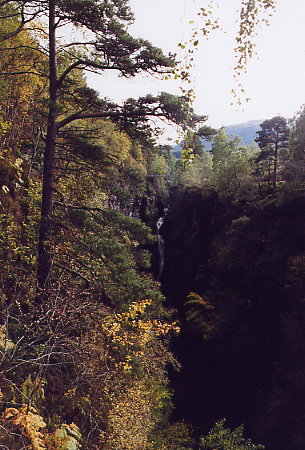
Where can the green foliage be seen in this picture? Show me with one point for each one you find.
(97, 348)
(197, 173)
(100, 275)
(294, 167)
(177, 436)
(60, 355)
(233, 167)
(273, 140)
(222, 438)
(245, 262)
(222, 147)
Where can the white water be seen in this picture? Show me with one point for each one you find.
(160, 248)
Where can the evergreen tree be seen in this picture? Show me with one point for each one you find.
(107, 46)
(272, 140)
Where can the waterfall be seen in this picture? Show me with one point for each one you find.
(160, 248)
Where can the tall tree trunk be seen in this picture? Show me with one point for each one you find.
(269, 174)
(275, 164)
(44, 253)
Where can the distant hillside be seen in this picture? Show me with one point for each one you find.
(246, 131)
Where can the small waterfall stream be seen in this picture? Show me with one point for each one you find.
(160, 248)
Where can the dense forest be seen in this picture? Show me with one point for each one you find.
(147, 301)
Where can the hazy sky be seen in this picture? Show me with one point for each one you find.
(275, 82)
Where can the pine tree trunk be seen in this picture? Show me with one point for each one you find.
(269, 174)
(275, 165)
(44, 254)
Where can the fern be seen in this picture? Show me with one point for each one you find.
(201, 315)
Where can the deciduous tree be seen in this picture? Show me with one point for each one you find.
(295, 166)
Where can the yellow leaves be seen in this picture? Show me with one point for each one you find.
(138, 308)
(187, 156)
(251, 15)
(3, 129)
(162, 329)
(129, 332)
(130, 419)
(116, 143)
(70, 393)
(125, 366)
(5, 189)
(196, 299)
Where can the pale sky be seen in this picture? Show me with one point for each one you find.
(275, 82)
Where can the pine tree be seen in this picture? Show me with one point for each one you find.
(107, 45)
(272, 140)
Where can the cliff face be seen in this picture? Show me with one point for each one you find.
(240, 344)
